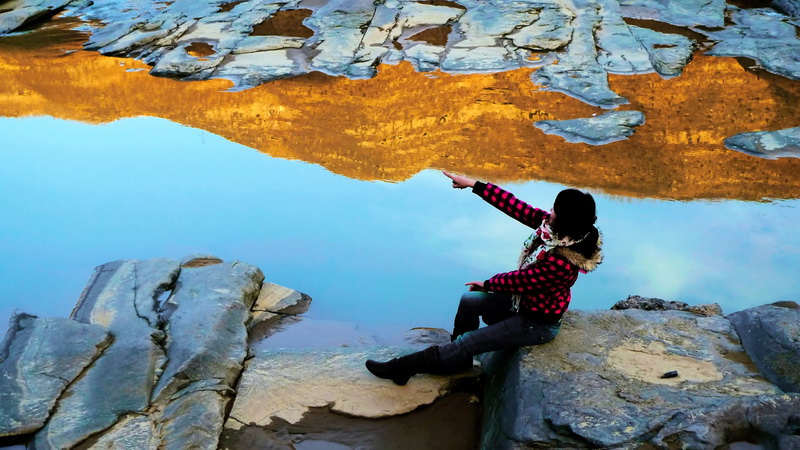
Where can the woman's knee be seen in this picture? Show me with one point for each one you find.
(471, 300)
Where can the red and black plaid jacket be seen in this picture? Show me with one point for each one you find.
(544, 286)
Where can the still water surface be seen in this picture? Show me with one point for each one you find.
(383, 256)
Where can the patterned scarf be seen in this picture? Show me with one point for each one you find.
(536, 247)
(540, 242)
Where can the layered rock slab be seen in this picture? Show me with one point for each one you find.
(274, 300)
(39, 358)
(167, 379)
(767, 144)
(599, 384)
(17, 13)
(121, 296)
(771, 336)
(603, 129)
(280, 387)
(206, 347)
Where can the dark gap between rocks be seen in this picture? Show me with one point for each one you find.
(200, 50)
(285, 23)
(229, 6)
(19, 441)
(442, 3)
(662, 27)
(433, 36)
(664, 46)
(162, 298)
(750, 4)
(36, 21)
(397, 45)
(3, 11)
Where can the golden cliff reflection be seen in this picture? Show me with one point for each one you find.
(402, 122)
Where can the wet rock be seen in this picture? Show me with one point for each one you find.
(550, 31)
(619, 49)
(577, 72)
(279, 299)
(481, 28)
(123, 297)
(603, 129)
(686, 13)
(599, 384)
(251, 44)
(425, 337)
(669, 53)
(769, 334)
(194, 419)
(255, 68)
(280, 387)
(207, 337)
(20, 12)
(274, 300)
(173, 365)
(38, 359)
(296, 332)
(131, 431)
(338, 28)
(767, 144)
(763, 35)
(424, 58)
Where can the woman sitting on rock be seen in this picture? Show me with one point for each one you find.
(522, 307)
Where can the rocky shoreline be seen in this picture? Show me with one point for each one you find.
(156, 354)
(574, 44)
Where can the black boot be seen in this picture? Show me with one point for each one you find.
(399, 370)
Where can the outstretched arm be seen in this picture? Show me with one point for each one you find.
(501, 199)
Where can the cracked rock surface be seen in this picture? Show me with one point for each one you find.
(39, 358)
(120, 296)
(173, 364)
(599, 384)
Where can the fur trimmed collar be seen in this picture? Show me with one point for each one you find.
(583, 262)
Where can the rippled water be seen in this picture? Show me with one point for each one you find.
(384, 256)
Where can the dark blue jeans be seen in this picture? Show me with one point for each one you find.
(505, 329)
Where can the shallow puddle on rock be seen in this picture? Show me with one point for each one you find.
(285, 23)
(200, 49)
(433, 36)
(451, 423)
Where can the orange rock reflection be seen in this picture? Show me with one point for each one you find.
(402, 122)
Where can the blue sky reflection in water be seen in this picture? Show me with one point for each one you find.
(381, 255)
